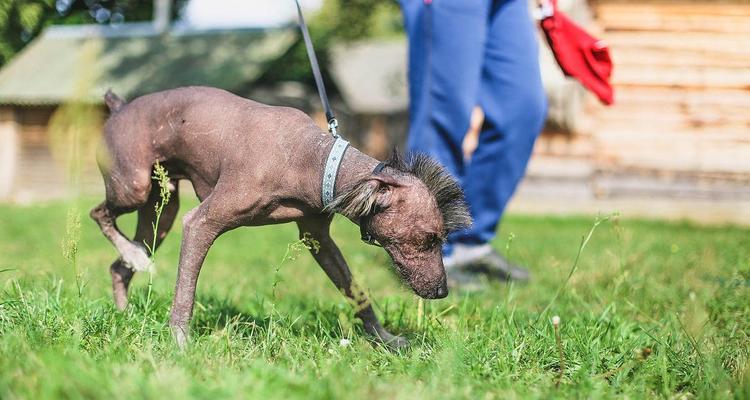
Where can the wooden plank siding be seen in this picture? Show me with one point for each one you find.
(680, 127)
(39, 176)
(39, 170)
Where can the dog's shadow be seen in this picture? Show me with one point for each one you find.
(215, 313)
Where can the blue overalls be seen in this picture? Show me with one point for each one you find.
(464, 53)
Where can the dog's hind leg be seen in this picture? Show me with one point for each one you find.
(329, 257)
(144, 234)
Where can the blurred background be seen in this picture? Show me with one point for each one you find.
(675, 145)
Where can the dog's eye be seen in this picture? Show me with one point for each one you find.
(438, 241)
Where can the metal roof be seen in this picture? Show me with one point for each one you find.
(81, 62)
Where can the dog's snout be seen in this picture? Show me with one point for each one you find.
(442, 290)
(438, 291)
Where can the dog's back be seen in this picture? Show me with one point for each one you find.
(201, 133)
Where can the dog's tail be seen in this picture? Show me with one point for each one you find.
(113, 101)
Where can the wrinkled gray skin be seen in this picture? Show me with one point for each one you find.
(250, 164)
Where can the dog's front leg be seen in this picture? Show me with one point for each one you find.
(329, 257)
(199, 233)
(134, 254)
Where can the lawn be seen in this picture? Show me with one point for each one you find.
(653, 309)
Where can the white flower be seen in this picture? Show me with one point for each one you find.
(556, 320)
(344, 342)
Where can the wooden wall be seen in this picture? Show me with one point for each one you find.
(8, 151)
(680, 127)
(32, 169)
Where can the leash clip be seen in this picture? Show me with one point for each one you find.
(333, 124)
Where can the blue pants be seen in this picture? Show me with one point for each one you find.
(468, 53)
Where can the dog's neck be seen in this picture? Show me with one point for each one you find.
(355, 166)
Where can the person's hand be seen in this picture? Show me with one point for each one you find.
(471, 140)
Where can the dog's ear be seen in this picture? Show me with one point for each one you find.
(113, 101)
(368, 196)
(386, 181)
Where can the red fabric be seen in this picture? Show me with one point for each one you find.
(579, 54)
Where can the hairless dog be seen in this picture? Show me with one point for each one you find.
(252, 164)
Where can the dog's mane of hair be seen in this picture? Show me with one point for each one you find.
(443, 186)
(358, 200)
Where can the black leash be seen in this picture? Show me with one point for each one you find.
(333, 124)
(334, 158)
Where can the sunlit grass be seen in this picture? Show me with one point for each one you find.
(652, 309)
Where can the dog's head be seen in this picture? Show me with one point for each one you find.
(410, 208)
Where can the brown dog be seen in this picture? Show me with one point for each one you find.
(253, 164)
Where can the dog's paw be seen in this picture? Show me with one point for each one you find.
(137, 259)
(180, 335)
(397, 343)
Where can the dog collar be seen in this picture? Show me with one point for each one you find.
(332, 169)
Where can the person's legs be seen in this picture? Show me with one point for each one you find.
(446, 52)
(514, 103)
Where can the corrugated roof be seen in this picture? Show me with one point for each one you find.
(82, 62)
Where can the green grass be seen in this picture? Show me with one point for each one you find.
(653, 309)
